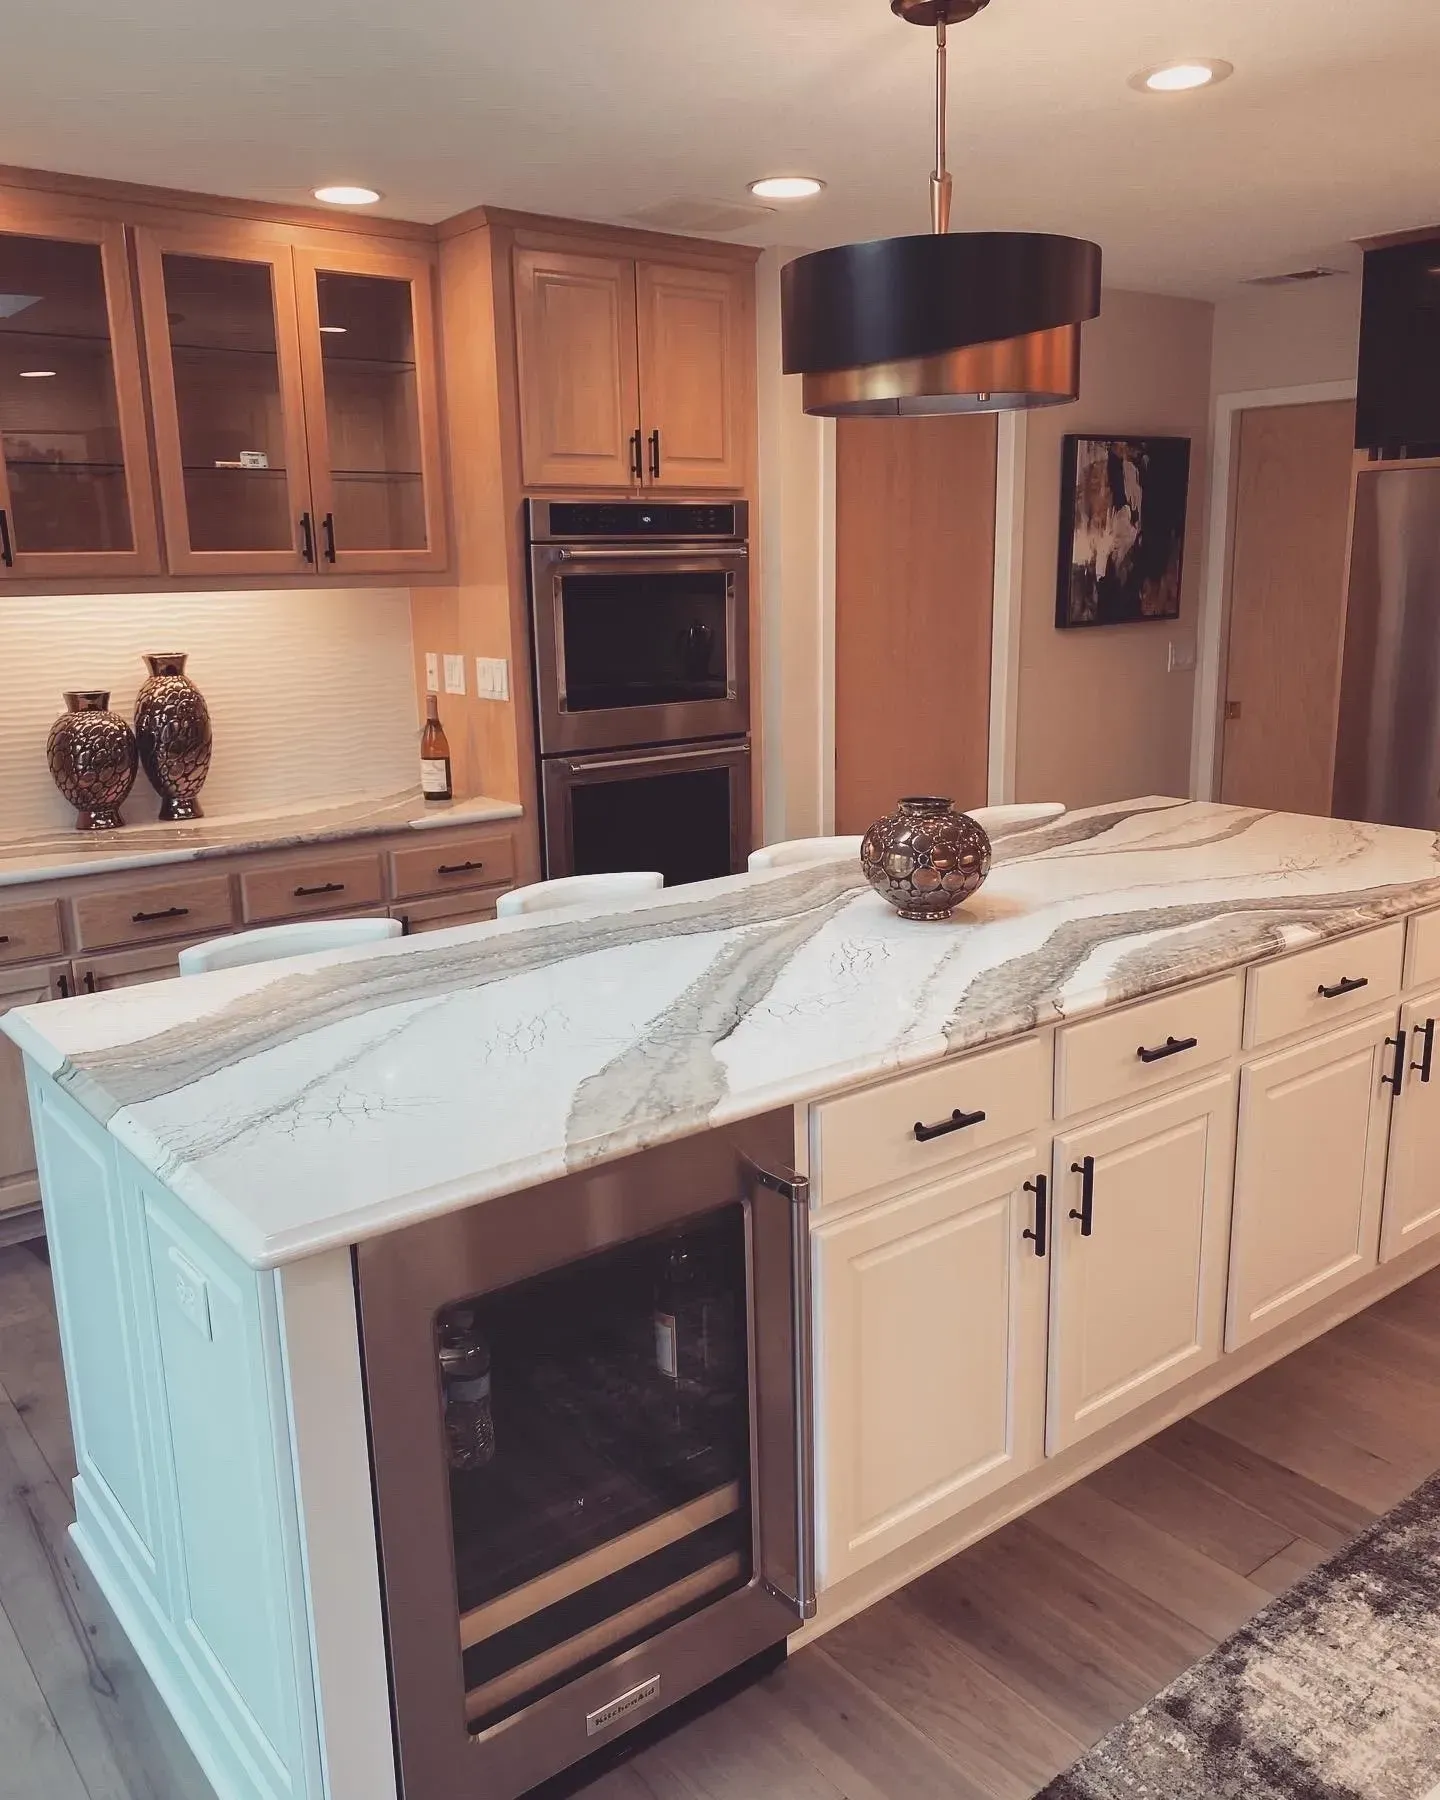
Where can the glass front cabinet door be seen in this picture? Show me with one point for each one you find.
(75, 495)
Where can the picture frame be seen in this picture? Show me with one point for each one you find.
(1123, 506)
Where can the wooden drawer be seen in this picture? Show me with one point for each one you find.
(867, 1140)
(1356, 972)
(30, 931)
(295, 890)
(1100, 1060)
(453, 863)
(1422, 949)
(195, 906)
(439, 915)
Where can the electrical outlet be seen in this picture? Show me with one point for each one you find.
(454, 674)
(432, 672)
(492, 677)
(192, 1293)
(1182, 654)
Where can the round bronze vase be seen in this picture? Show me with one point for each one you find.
(91, 752)
(172, 729)
(925, 857)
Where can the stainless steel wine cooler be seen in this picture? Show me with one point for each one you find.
(591, 1435)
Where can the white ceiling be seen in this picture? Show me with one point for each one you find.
(1329, 129)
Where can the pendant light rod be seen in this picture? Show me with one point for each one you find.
(940, 183)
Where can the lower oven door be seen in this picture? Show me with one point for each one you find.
(684, 810)
(590, 1429)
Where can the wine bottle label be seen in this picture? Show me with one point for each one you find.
(666, 1354)
(478, 1389)
(435, 776)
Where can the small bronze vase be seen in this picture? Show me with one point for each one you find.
(925, 857)
(172, 729)
(91, 752)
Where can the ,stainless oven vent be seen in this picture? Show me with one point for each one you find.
(1292, 277)
(606, 1716)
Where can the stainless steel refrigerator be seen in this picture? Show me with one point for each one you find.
(1387, 761)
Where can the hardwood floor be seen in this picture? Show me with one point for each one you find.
(978, 1682)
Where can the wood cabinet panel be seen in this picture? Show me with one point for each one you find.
(696, 357)
(1412, 1174)
(1309, 1174)
(1422, 948)
(930, 1360)
(29, 930)
(1139, 1304)
(306, 886)
(129, 968)
(417, 916)
(579, 378)
(20, 987)
(453, 863)
(193, 906)
(1099, 1061)
(1361, 971)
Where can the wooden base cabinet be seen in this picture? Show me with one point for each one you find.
(1309, 1174)
(27, 986)
(1140, 1226)
(931, 1357)
(1412, 1180)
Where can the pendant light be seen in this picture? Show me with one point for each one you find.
(981, 321)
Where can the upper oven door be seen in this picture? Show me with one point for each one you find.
(639, 644)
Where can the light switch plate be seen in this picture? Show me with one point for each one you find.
(1182, 654)
(192, 1293)
(492, 677)
(454, 674)
(432, 672)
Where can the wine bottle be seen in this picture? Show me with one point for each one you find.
(434, 754)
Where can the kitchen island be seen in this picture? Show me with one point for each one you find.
(1151, 1110)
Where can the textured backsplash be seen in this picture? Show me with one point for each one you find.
(310, 690)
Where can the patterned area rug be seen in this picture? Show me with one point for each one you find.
(1331, 1693)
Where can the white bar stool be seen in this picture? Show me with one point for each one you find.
(271, 942)
(803, 850)
(575, 890)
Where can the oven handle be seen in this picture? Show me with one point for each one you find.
(718, 550)
(636, 762)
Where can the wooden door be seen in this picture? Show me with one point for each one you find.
(1412, 1175)
(579, 378)
(1287, 601)
(223, 347)
(76, 497)
(1309, 1174)
(372, 411)
(25, 986)
(697, 357)
(930, 1321)
(129, 968)
(914, 587)
(1139, 1304)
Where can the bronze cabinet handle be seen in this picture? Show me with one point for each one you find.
(168, 912)
(1085, 1169)
(1039, 1187)
(464, 868)
(1347, 984)
(1171, 1047)
(4, 937)
(958, 1121)
(1426, 1032)
(325, 887)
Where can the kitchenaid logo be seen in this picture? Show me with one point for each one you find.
(621, 1708)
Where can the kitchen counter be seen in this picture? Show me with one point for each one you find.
(56, 856)
(300, 1106)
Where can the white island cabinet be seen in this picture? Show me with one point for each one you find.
(1159, 1104)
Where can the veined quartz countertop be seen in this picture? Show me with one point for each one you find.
(55, 855)
(300, 1105)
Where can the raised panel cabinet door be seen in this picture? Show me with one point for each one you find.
(1137, 1296)
(1309, 1174)
(129, 968)
(696, 355)
(1412, 1175)
(223, 347)
(579, 382)
(75, 488)
(26, 986)
(372, 411)
(930, 1326)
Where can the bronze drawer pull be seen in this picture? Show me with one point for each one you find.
(1171, 1047)
(958, 1121)
(4, 937)
(1345, 985)
(149, 918)
(325, 887)
(464, 868)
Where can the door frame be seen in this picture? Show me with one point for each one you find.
(1212, 626)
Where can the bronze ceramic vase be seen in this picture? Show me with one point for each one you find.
(91, 752)
(925, 857)
(172, 729)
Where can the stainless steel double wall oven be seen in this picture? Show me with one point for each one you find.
(640, 634)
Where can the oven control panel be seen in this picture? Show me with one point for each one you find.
(580, 521)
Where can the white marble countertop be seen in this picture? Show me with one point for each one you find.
(55, 856)
(299, 1105)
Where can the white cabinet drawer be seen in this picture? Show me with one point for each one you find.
(1422, 952)
(1120, 1055)
(1322, 986)
(867, 1140)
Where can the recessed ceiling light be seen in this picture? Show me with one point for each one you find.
(1181, 77)
(786, 187)
(347, 196)
(36, 374)
(335, 328)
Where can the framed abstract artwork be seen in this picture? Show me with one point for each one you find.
(1122, 529)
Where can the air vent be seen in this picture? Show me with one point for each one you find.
(1293, 276)
(706, 216)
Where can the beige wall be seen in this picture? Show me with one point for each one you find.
(1099, 718)
(1287, 337)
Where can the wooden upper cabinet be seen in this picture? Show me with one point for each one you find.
(75, 491)
(367, 345)
(578, 369)
(694, 376)
(225, 379)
